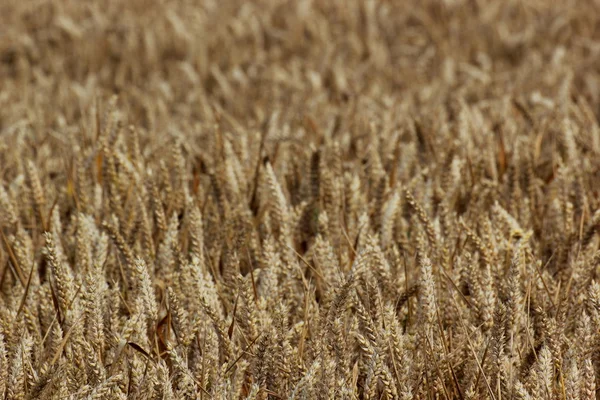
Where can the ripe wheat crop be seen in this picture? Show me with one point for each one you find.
(271, 199)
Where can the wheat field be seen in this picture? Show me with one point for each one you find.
(308, 199)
